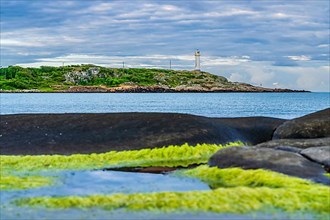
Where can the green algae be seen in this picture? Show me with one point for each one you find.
(237, 191)
(232, 177)
(12, 167)
(9, 182)
(170, 156)
(221, 200)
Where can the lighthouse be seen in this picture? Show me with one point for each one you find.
(197, 60)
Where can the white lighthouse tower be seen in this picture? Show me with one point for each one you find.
(197, 60)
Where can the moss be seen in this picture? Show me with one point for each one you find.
(232, 177)
(170, 156)
(9, 182)
(221, 200)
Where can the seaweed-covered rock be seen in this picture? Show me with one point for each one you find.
(265, 158)
(318, 154)
(297, 143)
(315, 125)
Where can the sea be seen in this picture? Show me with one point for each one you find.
(278, 105)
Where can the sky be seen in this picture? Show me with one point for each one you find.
(273, 43)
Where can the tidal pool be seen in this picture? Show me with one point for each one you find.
(84, 183)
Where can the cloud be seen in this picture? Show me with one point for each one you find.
(237, 77)
(221, 61)
(323, 45)
(299, 58)
(253, 39)
(155, 60)
(308, 81)
(18, 43)
(102, 7)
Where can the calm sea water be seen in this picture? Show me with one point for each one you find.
(281, 105)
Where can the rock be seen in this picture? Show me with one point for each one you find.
(265, 158)
(288, 148)
(296, 143)
(98, 133)
(315, 125)
(255, 129)
(318, 154)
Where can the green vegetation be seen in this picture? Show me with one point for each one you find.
(14, 168)
(234, 177)
(170, 156)
(297, 197)
(15, 182)
(48, 78)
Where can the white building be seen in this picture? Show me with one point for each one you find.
(197, 60)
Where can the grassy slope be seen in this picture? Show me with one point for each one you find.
(53, 78)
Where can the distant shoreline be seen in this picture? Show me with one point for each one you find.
(97, 79)
(155, 89)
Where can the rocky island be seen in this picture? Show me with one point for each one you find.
(91, 78)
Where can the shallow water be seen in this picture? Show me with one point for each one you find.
(281, 105)
(98, 214)
(108, 182)
(83, 183)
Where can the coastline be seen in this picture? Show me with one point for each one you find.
(155, 89)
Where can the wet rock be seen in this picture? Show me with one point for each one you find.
(315, 125)
(265, 158)
(297, 143)
(98, 133)
(318, 154)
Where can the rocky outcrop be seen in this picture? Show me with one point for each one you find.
(297, 143)
(315, 125)
(300, 147)
(82, 76)
(97, 133)
(318, 154)
(166, 89)
(265, 158)
(148, 89)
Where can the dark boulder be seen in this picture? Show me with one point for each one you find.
(266, 158)
(296, 143)
(318, 154)
(254, 130)
(97, 133)
(315, 125)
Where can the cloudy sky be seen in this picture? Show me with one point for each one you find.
(270, 43)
